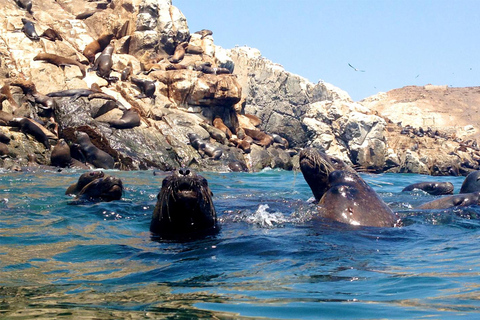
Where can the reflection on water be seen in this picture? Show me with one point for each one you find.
(269, 260)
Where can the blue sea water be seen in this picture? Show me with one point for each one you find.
(270, 260)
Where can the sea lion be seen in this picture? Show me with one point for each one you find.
(176, 66)
(129, 119)
(39, 132)
(3, 149)
(433, 188)
(212, 151)
(204, 33)
(220, 70)
(254, 120)
(237, 166)
(60, 156)
(218, 123)
(241, 144)
(6, 119)
(179, 53)
(147, 87)
(259, 137)
(107, 188)
(280, 140)
(341, 193)
(51, 35)
(196, 141)
(184, 208)
(456, 200)
(97, 46)
(103, 64)
(25, 4)
(83, 180)
(29, 30)
(191, 49)
(60, 61)
(93, 155)
(6, 94)
(4, 138)
(86, 14)
(126, 72)
(471, 182)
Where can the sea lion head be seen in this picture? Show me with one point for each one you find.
(102, 189)
(316, 167)
(184, 207)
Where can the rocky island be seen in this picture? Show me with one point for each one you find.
(125, 84)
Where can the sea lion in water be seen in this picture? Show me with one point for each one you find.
(147, 87)
(457, 200)
(184, 208)
(107, 188)
(94, 155)
(60, 61)
(103, 64)
(433, 188)
(129, 119)
(471, 182)
(29, 30)
(83, 180)
(341, 193)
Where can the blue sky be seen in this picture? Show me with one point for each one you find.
(397, 43)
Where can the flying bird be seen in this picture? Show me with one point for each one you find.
(355, 68)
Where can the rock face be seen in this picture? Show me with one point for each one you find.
(181, 85)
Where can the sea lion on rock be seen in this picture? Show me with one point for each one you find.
(126, 72)
(39, 132)
(83, 180)
(25, 4)
(341, 193)
(218, 123)
(129, 119)
(179, 53)
(60, 61)
(29, 30)
(204, 33)
(433, 188)
(97, 46)
(457, 200)
(471, 182)
(147, 87)
(51, 35)
(4, 138)
(196, 141)
(212, 151)
(94, 155)
(184, 208)
(107, 188)
(103, 64)
(259, 137)
(60, 156)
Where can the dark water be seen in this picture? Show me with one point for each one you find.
(99, 261)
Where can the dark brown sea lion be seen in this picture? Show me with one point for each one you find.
(220, 70)
(103, 63)
(108, 188)
(191, 49)
(218, 123)
(456, 200)
(212, 151)
(97, 46)
(179, 53)
(83, 180)
(434, 188)
(259, 137)
(39, 132)
(280, 140)
(29, 30)
(471, 182)
(60, 61)
(241, 144)
(3, 149)
(341, 193)
(25, 4)
(4, 138)
(93, 155)
(60, 156)
(147, 87)
(196, 141)
(184, 208)
(175, 66)
(51, 35)
(129, 119)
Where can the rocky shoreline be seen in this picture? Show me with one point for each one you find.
(172, 98)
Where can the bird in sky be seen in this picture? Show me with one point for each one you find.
(355, 68)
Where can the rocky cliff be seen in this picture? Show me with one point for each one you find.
(150, 93)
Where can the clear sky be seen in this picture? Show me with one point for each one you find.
(397, 43)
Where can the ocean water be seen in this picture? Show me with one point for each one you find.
(270, 260)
